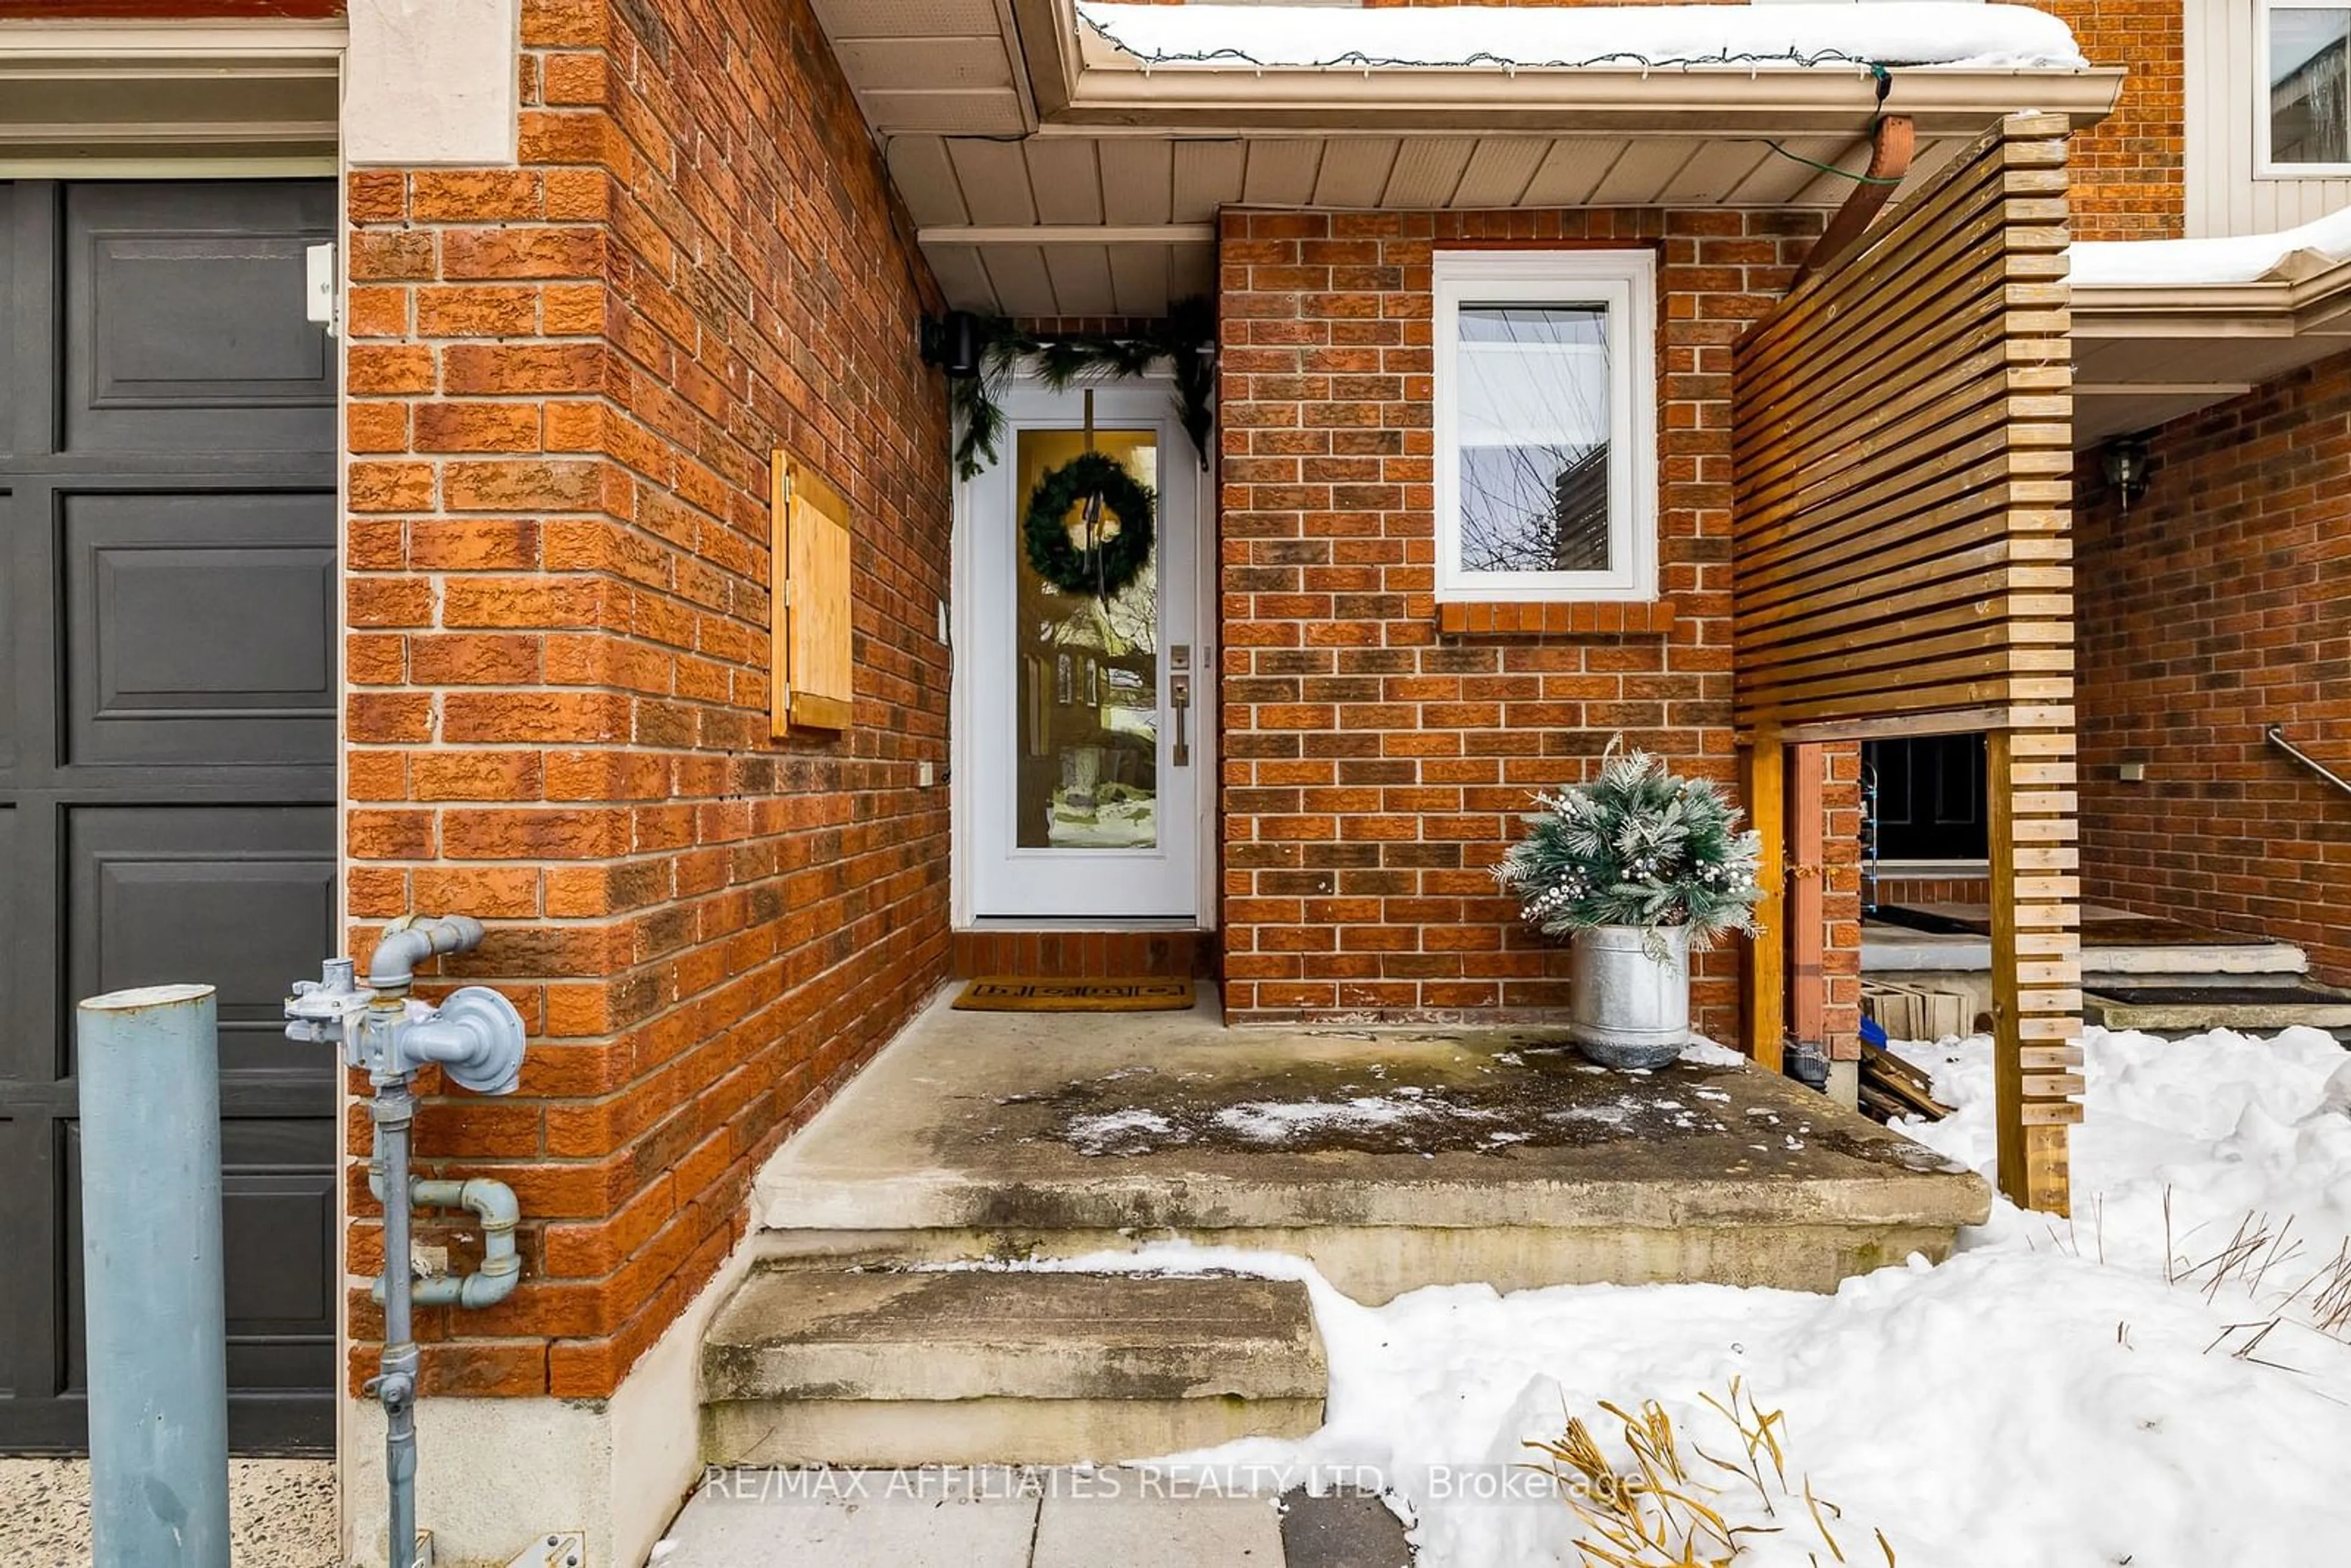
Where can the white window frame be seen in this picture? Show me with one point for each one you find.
(1624, 284)
(2264, 168)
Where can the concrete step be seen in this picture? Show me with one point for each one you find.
(2194, 1006)
(1391, 1159)
(870, 1366)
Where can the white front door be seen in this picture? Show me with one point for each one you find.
(1083, 755)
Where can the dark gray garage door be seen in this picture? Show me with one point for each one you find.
(167, 735)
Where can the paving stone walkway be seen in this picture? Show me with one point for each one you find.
(1013, 1519)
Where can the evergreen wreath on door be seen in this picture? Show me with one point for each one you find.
(1111, 557)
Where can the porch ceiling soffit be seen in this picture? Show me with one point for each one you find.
(2147, 353)
(100, 98)
(1049, 173)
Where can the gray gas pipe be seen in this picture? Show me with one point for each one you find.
(476, 1037)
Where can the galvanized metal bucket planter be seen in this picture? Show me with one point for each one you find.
(1628, 1006)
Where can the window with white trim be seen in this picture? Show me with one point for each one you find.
(1546, 425)
(2303, 120)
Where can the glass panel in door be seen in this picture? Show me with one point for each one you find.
(1086, 668)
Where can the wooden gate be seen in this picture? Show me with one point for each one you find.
(1903, 449)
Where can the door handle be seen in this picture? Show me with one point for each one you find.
(1179, 697)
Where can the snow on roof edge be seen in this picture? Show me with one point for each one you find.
(1962, 33)
(2190, 262)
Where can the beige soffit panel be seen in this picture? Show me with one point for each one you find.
(2147, 353)
(1062, 177)
(100, 98)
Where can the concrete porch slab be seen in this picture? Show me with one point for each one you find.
(1391, 1157)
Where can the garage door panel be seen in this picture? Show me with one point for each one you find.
(16, 371)
(32, 1054)
(276, 1251)
(167, 615)
(276, 1228)
(10, 625)
(12, 1003)
(277, 1219)
(200, 627)
(236, 897)
(33, 1352)
(179, 334)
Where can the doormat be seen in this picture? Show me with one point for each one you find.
(1031, 994)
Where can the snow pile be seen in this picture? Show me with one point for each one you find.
(2180, 1143)
(1703, 1052)
(1503, 37)
(2024, 1404)
(1117, 1132)
(1278, 1121)
(2238, 258)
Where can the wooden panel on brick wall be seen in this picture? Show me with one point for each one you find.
(1902, 438)
(814, 679)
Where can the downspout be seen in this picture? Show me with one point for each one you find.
(1892, 144)
(1808, 1058)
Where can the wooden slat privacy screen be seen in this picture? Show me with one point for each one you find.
(1902, 450)
(1903, 457)
(812, 672)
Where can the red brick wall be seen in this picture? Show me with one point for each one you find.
(1079, 954)
(1374, 764)
(565, 382)
(1841, 899)
(1916, 890)
(2218, 605)
(2127, 173)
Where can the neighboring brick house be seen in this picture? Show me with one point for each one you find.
(2214, 608)
(2224, 598)
(604, 258)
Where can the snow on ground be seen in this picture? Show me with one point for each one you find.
(1893, 32)
(2214, 1129)
(2025, 1403)
(1112, 1131)
(1276, 1120)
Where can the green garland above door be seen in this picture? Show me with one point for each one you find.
(1185, 337)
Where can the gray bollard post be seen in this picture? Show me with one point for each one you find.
(149, 1062)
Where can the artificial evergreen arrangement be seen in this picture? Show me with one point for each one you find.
(1637, 847)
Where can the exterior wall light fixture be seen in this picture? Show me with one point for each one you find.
(2127, 466)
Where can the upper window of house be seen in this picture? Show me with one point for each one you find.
(2306, 123)
(1546, 425)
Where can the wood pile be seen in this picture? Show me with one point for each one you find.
(1891, 1087)
(1913, 1012)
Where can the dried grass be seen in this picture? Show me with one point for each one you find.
(1658, 1513)
(2257, 1249)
